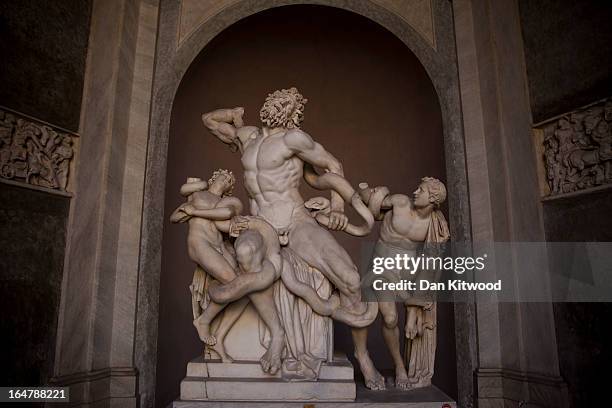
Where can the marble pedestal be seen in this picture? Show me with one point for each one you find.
(428, 397)
(209, 379)
(212, 380)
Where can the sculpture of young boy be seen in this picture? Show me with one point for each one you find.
(209, 213)
(405, 224)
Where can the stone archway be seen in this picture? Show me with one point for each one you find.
(174, 56)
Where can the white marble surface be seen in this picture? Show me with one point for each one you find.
(245, 381)
(242, 341)
(429, 397)
(266, 389)
(339, 369)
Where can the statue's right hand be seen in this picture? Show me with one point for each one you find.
(338, 221)
(188, 209)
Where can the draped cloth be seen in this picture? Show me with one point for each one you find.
(307, 334)
(421, 351)
(199, 291)
(438, 232)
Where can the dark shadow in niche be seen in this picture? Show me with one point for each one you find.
(32, 238)
(44, 48)
(568, 54)
(583, 329)
(371, 104)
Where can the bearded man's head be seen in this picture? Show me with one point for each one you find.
(284, 108)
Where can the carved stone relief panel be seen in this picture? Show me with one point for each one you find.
(575, 150)
(34, 153)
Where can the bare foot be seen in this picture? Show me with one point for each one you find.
(401, 379)
(204, 333)
(373, 379)
(271, 360)
(411, 322)
(220, 349)
(209, 340)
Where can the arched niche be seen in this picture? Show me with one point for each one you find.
(173, 62)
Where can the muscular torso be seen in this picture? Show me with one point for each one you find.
(272, 175)
(403, 228)
(201, 229)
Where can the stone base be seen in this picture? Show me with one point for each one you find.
(497, 387)
(213, 384)
(212, 380)
(356, 404)
(429, 397)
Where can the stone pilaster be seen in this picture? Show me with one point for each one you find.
(95, 342)
(517, 349)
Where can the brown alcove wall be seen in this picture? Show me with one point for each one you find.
(371, 104)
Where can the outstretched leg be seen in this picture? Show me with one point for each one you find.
(202, 323)
(214, 263)
(231, 315)
(243, 284)
(414, 322)
(317, 247)
(264, 303)
(391, 334)
(373, 379)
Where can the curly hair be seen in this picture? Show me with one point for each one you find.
(228, 173)
(436, 189)
(283, 108)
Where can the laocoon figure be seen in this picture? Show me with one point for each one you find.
(273, 159)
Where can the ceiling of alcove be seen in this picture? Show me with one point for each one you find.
(417, 13)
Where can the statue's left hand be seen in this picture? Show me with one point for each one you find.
(337, 221)
(237, 225)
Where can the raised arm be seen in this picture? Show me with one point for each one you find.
(192, 186)
(224, 124)
(314, 153)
